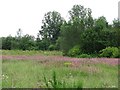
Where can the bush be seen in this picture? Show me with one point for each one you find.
(84, 56)
(52, 47)
(111, 52)
(74, 51)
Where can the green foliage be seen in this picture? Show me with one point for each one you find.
(96, 38)
(51, 26)
(54, 83)
(67, 64)
(116, 37)
(90, 41)
(70, 35)
(27, 42)
(101, 23)
(84, 56)
(50, 31)
(110, 52)
(57, 45)
(80, 20)
(74, 51)
(22, 43)
(52, 47)
(42, 44)
(6, 43)
(108, 37)
(116, 23)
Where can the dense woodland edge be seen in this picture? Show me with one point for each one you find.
(80, 36)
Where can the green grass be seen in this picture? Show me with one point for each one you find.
(39, 74)
(32, 74)
(32, 52)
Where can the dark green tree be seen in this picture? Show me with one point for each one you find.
(78, 11)
(41, 44)
(71, 31)
(96, 37)
(27, 42)
(100, 23)
(116, 23)
(7, 42)
(116, 30)
(17, 40)
(70, 35)
(51, 27)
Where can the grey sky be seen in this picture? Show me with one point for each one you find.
(28, 14)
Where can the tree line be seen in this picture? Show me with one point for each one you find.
(80, 34)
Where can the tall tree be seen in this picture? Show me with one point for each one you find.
(97, 36)
(116, 28)
(78, 11)
(101, 23)
(51, 26)
(83, 14)
(80, 20)
(7, 42)
(116, 23)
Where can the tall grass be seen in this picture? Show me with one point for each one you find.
(24, 74)
(54, 83)
(32, 52)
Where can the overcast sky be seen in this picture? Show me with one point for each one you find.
(28, 14)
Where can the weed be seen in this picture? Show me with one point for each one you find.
(60, 84)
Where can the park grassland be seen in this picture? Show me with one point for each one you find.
(30, 52)
(55, 74)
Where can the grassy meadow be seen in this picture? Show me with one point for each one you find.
(55, 74)
(32, 52)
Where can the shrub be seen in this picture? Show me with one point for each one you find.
(67, 64)
(52, 47)
(84, 56)
(74, 51)
(110, 52)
